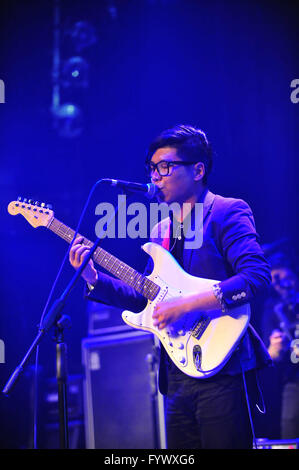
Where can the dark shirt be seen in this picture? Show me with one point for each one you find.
(177, 245)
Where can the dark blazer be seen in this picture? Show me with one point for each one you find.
(230, 253)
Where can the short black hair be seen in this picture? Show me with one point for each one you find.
(190, 143)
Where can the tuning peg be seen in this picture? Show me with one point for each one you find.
(30, 201)
(43, 204)
(25, 199)
(19, 198)
(37, 203)
(49, 206)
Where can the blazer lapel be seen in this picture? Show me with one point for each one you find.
(208, 199)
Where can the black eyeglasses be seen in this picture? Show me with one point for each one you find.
(163, 167)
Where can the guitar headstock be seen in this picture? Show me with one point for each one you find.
(38, 215)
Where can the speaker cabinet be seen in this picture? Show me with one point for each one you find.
(122, 406)
(49, 432)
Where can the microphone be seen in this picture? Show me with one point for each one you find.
(149, 189)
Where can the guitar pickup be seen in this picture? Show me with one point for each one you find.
(161, 295)
(199, 328)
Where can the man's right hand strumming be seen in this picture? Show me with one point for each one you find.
(77, 254)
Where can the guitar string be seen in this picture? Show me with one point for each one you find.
(67, 234)
(129, 275)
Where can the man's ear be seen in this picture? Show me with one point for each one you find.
(199, 171)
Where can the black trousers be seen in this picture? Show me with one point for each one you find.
(207, 413)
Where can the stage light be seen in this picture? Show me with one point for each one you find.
(112, 10)
(82, 35)
(68, 120)
(69, 74)
(75, 72)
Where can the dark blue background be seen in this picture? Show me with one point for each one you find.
(224, 66)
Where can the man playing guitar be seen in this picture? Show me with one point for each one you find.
(209, 410)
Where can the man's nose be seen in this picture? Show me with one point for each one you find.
(155, 175)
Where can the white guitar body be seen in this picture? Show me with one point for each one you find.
(201, 342)
(198, 344)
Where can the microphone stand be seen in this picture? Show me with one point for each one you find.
(55, 318)
(60, 322)
(61, 377)
(152, 365)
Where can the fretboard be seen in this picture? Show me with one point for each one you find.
(113, 265)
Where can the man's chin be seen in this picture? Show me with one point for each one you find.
(160, 197)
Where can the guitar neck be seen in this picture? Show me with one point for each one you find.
(113, 265)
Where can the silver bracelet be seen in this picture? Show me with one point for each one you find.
(219, 296)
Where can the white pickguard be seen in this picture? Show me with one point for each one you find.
(219, 338)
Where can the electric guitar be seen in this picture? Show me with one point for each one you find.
(200, 343)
